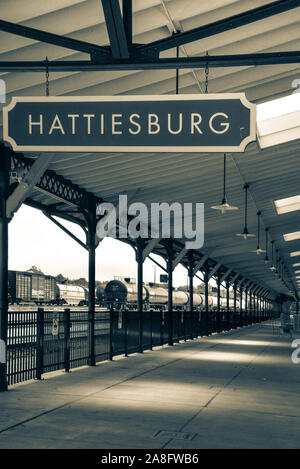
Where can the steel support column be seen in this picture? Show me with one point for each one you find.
(227, 305)
(170, 255)
(191, 289)
(140, 261)
(4, 186)
(234, 303)
(250, 307)
(91, 245)
(246, 307)
(241, 306)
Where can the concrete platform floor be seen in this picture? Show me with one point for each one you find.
(238, 389)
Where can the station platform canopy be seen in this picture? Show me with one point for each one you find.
(78, 48)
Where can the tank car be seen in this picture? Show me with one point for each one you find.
(120, 293)
(72, 295)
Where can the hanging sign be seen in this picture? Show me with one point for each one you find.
(185, 123)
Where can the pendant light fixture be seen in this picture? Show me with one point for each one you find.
(245, 234)
(272, 266)
(266, 256)
(258, 250)
(224, 207)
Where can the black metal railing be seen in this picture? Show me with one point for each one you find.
(43, 341)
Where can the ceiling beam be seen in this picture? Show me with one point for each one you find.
(214, 270)
(178, 258)
(150, 246)
(218, 27)
(54, 39)
(224, 277)
(157, 263)
(27, 183)
(127, 20)
(247, 284)
(106, 63)
(115, 29)
(54, 185)
(68, 232)
(46, 208)
(234, 278)
(201, 262)
(239, 283)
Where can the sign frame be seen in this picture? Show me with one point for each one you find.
(123, 98)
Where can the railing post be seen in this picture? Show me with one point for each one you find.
(111, 332)
(170, 290)
(39, 343)
(178, 324)
(191, 289)
(250, 307)
(151, 328)
(139, 259)
(67, 327)
(234, 304)
(125, 332)
(246, 307)
(218, 312)
(206, 272)
(161, 328)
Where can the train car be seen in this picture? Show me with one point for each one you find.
(198, 300)
(121, 293)
(30, 287)
(99, 294)
(157, 295)
(72, 295)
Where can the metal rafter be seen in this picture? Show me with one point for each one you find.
(54, 184)
(213, 61)
(218, 27)
(115, 29)
(68, 232)
(62, 214)
(55, 39)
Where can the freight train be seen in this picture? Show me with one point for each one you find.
(40, 289)
(121, 294)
